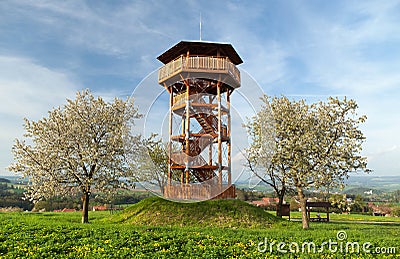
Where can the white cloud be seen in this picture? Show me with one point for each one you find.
(385, 160)
(381, 130)
(27, 90)
(108, 28)
(338, 53)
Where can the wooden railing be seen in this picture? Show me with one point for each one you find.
(179, 99)
(199, 63)
(199, 191)
(171, 68)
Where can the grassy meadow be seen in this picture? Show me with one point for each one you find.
(129, 234)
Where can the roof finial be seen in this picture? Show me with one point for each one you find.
(200, 26)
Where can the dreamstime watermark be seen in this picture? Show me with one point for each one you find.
(340, 245)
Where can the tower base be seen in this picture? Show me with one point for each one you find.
(199, 191)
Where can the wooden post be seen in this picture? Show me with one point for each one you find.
(183, 126)
(211, 140)
(327, 214)
(228, 104)
(210, 152)
(170, 139)
(187, 134)
(219, 135)
(187, 59)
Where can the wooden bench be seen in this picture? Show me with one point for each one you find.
(318, 204)
(285, 210)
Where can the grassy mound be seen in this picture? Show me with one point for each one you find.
(156, 211)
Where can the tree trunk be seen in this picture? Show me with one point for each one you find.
(85, 207)
(303, 201)
(162, 188)
(281, 195)
(279, 208)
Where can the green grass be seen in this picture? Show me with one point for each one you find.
(156, 211)
(347, 217)
(60, 235)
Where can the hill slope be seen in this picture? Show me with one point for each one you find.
(156, 211)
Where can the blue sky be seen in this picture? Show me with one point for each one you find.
(302, 49)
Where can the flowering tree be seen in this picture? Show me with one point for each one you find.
(314, 145)
(261, 156)
(339, 201)
(78, 148)
(152, 162)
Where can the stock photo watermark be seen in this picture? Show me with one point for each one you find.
(338, 245)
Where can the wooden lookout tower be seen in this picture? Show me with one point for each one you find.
(200, 78)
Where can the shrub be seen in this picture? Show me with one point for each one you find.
(396, 212)
(11, 209)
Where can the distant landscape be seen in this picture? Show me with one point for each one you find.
(370, 188)
(379, 183)
(364, 182)
(376, 183)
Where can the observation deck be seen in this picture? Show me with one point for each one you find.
(217, 68)
(199, 59)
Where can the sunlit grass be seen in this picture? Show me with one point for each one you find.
(346, 217)
(61, 235)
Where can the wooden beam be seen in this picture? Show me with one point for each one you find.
(171, 98)
(185, 82)
(228, 104)
(219, 135)
(168, 89)
(210, 153)
(187, 133)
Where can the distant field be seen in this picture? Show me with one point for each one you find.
(60, 235)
